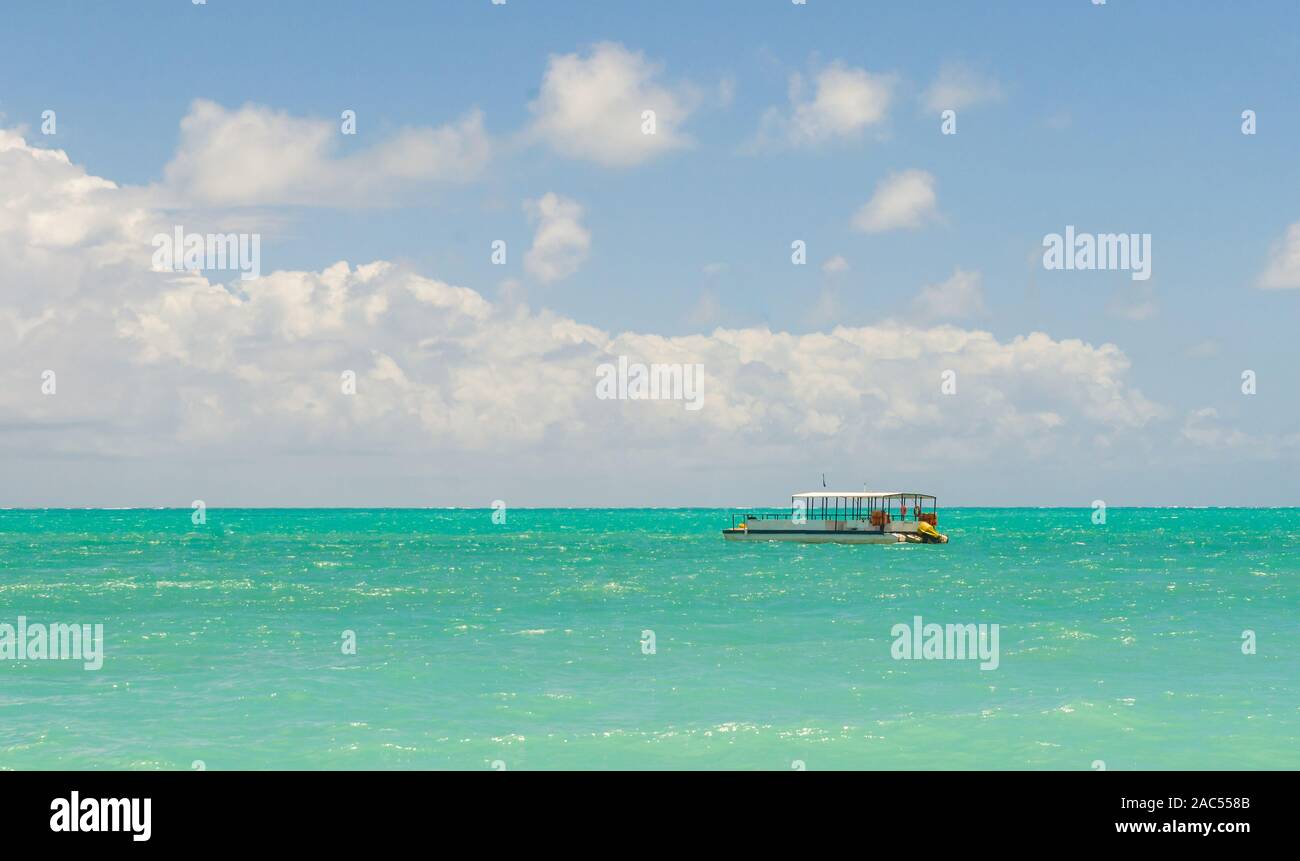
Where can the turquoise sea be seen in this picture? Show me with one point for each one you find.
(520, 645)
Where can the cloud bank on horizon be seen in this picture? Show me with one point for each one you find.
(107, 358)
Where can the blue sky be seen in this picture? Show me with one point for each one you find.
(1123, 117)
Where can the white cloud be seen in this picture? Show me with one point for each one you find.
(958, 297)
(1205, 428)
(1202, 427)
(845, 103)
(258, 156)
(592, 107)
(902, 201)
(1283, 270)
(465, 374)
(835, 264)
(174, 373)
(561, 243)
(957, 87)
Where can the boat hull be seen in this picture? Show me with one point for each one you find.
(814, 537)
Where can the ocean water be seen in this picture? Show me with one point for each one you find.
(520, 645)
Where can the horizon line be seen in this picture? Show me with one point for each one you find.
(579, 507)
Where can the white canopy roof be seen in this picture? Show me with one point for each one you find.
(860, 494)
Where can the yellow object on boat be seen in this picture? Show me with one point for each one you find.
(930, 532)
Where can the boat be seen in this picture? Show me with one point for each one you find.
(841, 517)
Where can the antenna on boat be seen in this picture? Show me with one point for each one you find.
(823, 479)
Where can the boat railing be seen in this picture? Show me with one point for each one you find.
(749, 515)
(789, 515)
(878, 517)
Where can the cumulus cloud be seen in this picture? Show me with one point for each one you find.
(1283, 270)
(958, 297)
(561, 243)
(957, 87)
(902, 201)
(255, 155)
(178, 368)
(430, 357)
(593, 107)
(844, 103)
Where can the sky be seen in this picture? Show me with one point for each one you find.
(857, 276)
